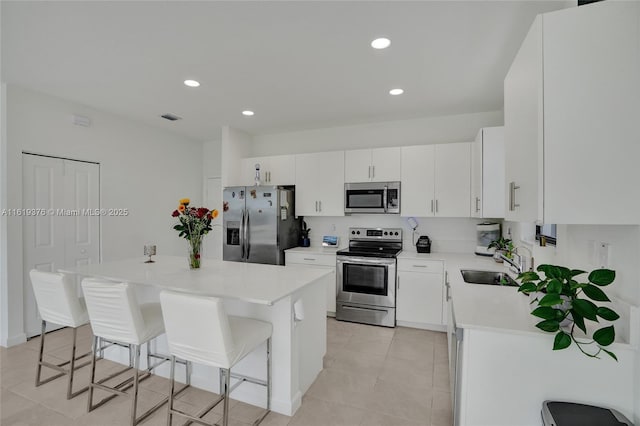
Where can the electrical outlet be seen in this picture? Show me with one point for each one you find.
(604, 254)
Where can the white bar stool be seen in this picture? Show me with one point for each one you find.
(199, 330)
(59, 303)
(116, 316)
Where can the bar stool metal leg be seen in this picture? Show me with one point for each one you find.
(171, 389)
(92, 375)
(136, 375)
(227, 382)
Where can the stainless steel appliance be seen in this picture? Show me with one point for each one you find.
(372, 197)
(259, 224)
(486, 233)
(366, 276)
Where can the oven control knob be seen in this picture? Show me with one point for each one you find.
(385, 232)
(353, 232)
(358, 232)
(396, 233)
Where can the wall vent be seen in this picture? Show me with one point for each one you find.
(171, 117)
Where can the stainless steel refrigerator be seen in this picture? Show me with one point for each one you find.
(259, 223)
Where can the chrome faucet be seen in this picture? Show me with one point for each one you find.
(520, 265)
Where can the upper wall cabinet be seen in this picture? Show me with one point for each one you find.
(571, 108)
(372, 165)
(487, 173)
(320, 184)
(436, 180)
(274, 170)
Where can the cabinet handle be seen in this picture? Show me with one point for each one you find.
(419, 266)
(369, 172)
(269, 177)
(446, 277)
(398, 283)
(512, 196)
(373, 171)
(477, 202)
(448, 296)
(436, 206)
(316, 206)
(320, 205)
(308, 258)
(431, 206)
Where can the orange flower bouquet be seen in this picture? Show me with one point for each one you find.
(194, 224)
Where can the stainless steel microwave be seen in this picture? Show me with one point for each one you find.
(372, 197)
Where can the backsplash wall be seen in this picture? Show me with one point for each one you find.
(452, 235)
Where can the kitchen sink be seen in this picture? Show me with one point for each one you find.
(488, 277)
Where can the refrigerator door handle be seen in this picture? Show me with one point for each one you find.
(242, 235)
(246, 235)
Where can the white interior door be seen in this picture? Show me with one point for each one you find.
(213, 241)
(62, 229)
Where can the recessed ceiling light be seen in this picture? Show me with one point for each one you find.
(191, 83)
(396, 92)
(247, 113)
(381, 43)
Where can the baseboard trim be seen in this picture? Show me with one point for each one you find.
(14, 340)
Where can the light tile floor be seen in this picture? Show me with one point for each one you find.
(373, 376)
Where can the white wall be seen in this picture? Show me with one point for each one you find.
(417, 131)
(211, 159)
(141, 168)
(234, 146)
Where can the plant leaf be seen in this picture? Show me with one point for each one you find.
(548, 325)
(552, 299)
(602, 277)
(544, 312)
(575, 272)
(550, 271)
(554, 286)
(594, 293)
(585, 308)
(529, 276)
(607, 314)
(565, 273)
(579, 321)
(562, 341)
(527, 288)
(611, 354)
(605, 336)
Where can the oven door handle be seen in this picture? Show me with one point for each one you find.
(384, 198)
(366, 260)
(354, 308)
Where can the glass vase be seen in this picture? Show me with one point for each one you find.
(194, 252)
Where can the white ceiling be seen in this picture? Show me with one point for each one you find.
(296, 64)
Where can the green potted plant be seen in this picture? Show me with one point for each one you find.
(557, 296)
(502, 246)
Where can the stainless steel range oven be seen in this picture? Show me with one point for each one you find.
(366, 276)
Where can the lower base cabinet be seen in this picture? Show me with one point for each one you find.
(419, 297)
(317, 260)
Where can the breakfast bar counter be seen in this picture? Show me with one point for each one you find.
(292, 299)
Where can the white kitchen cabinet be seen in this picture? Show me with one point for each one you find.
(436, 180)
(417, 180)
(572, 97)
(320, 184)
(453, 180)
(372, 165)
(274, 170)
(487, 173)
(317, 260)
(419, 297)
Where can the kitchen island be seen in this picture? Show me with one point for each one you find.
(292, 299)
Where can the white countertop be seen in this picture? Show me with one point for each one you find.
(492, 307)
(249, 282)
(315, 250)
